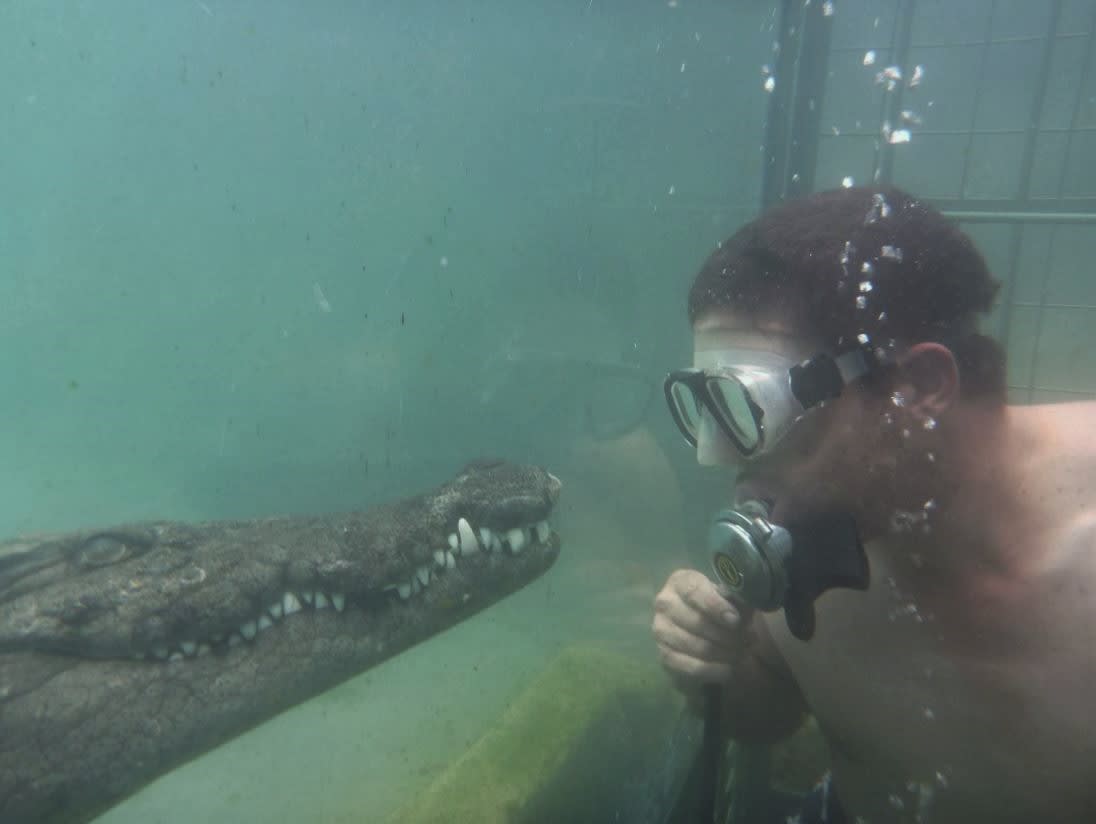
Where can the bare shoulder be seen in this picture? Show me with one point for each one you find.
(1067, 421)
(1062, 480)
(1063, 461)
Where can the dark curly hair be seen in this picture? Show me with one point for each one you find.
(861, 266)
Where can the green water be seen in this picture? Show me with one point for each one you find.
(270, 257)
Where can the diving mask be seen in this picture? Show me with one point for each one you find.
(755, 396)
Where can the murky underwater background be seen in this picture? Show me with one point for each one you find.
(271, 257)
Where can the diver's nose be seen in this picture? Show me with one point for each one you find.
(713, 447)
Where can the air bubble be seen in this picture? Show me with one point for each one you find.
(769, 84)
(865, 286)
(898, 399)
(891, 253)
(899, 136)
(929, 505)
(879, 209)
(866, 267)
(929, 424)
(863, 338)
(827, 8)
(882, 317)
(917, 77)
(869, 58)
(896, 802)
(861, 302)
(929, 714)
(905, 433)
(931, 457)
(847, 182)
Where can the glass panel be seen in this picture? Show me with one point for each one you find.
(337, 484)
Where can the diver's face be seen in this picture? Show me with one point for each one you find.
(824, 460)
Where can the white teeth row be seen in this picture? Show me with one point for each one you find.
(289, 604)
(464, 542)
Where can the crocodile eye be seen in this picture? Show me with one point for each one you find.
(102, 550)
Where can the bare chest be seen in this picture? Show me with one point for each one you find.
(929, 724)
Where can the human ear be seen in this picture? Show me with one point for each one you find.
(928, 379)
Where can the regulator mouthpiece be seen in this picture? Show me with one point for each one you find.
(769, 567)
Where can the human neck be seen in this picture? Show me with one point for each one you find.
(980, 505)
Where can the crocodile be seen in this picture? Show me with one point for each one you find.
(126, 651)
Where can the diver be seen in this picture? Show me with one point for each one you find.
(906, 556)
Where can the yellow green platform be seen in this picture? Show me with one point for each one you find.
(581, 734)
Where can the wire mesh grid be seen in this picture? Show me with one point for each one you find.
(988, 109)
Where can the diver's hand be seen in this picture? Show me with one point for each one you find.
(699, 633)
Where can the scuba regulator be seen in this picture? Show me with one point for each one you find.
(767, 566)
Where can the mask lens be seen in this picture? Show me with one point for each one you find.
(687, 408)
(734, 407)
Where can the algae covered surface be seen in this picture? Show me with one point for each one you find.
(586, 741)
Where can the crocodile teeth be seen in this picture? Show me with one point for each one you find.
(487, 537)
(468, 542)
(290, 603)
(463, 542)
(516, 539)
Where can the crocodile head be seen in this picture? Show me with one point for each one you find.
(127, 650)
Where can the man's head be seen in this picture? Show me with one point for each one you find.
(865, 270)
